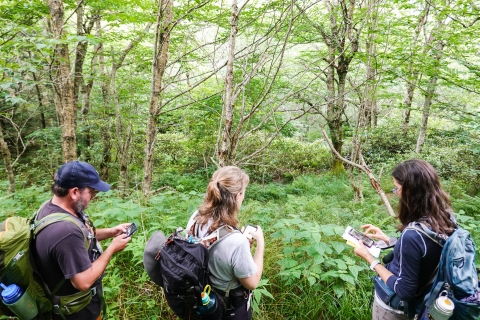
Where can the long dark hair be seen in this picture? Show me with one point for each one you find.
(422, 196)
(220, 203)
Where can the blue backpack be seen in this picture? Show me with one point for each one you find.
(457, 275)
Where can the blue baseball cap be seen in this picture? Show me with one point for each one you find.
(78, 174)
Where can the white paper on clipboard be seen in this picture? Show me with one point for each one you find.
(354, 242)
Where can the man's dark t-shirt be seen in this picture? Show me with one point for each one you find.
(61, 254)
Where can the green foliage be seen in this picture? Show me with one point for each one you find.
(288, 158)
(451, 151)
(307, 255)
(309, 271)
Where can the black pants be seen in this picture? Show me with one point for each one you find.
(238, 305)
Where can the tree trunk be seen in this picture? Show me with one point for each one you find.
(225, 155)
(64, 100)
(426, 113)
(342, 43)
(160, 57)
(429, 94)
(81, 50)
(7, 160)
(413, 73)
(41, 105)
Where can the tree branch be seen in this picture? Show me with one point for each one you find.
(363, 167)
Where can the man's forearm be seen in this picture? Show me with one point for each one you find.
(104, 233)
(84, 280)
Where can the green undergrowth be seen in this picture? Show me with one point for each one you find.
(309, 271)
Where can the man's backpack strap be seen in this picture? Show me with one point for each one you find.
(39, 225)
(79, 300)
(71, 304)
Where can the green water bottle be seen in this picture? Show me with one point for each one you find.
(19, 301)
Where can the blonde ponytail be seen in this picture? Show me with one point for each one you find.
(220, 204)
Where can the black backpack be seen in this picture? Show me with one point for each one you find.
(179, 265)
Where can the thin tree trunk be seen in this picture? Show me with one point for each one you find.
(81, 50)
(429, 94)
(63, 83)
(105, 88)
(412, 73)
(160, 57)
(7, 160)
(225, 155)
(40, 101)
(426, 113)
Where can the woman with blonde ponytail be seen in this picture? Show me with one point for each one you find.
(231, 262)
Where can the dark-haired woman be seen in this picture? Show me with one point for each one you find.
(425, 205)
(231, 263)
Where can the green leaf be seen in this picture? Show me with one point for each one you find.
(279, 225)
(5, 85)
(339, 290)
(340, 264)
(353, 271)
(328, 274)
(337, 246)
(316, 237)
(303, 235)
(288, 235)
(347, 278)
(288, 250)
(287, 263)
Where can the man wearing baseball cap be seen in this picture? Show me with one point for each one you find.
(68, 256)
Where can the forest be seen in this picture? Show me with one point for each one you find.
(317, 100)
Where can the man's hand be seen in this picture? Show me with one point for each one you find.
(84, 280)
(119, 243)
(106, 233)
(121, 228)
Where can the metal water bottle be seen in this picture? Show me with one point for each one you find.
(19, 301)
(209, 301)
(442, 308)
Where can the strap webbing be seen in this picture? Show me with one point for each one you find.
(227, 292)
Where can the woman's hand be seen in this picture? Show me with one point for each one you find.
(375, 233)
(362, 252)
(257, 234)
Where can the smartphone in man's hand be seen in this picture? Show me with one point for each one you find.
(131, 230)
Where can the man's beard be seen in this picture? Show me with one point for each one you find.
(80, 205)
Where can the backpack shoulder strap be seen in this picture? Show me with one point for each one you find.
(412, 226)
(218, 235)
(52, 218)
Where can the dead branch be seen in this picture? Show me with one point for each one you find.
(373, 181)
(163, 188)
